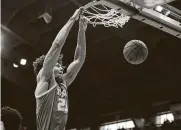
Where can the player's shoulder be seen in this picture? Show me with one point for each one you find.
(38, 77)
(41, 89)
(42, 77)
(42, 84)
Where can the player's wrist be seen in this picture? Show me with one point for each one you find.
(72, 19)
(82, 30)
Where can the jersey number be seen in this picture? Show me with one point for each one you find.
(62, 105)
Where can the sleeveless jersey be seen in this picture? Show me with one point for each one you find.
(52, 108)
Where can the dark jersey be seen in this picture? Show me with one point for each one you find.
(52, 108)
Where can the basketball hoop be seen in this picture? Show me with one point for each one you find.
(98, 14)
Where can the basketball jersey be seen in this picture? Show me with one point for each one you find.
(52, 108)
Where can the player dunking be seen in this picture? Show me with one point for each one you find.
(52, 84)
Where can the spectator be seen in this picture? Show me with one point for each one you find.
(11, 119)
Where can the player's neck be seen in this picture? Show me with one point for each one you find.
(58, 80)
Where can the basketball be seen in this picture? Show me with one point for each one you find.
(135, 52)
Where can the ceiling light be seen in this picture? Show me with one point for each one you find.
(23, 62)
(159, 8)
(15, 65)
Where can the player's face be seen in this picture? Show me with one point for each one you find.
(58, 70)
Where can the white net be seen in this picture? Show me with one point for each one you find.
(102, 15)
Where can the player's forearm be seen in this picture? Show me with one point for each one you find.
(60, 40)
(54, 52)
(63, 33)
(80, 52)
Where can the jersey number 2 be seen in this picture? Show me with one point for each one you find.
(62, 106)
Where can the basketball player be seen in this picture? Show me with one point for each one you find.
(52, 83)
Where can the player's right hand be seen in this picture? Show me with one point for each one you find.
(77, 13)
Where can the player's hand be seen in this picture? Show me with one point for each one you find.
(82, 23)
(77, 13)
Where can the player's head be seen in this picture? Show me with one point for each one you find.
(38, 64)
(11, 118)
(59, 68)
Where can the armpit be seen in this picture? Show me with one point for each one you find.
(69, 75)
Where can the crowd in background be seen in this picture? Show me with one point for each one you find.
(11, 119)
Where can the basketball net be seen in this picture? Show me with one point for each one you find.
(99, 14)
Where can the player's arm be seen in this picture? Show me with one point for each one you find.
(54, 52)
(80, 53)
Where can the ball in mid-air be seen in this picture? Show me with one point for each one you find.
(135, 52)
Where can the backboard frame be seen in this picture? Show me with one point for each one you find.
(147, 16)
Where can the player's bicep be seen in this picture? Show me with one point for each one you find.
(46, 73)
(51, 59)
(72, 71)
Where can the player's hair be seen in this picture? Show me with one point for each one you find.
(11, 118)
(38, 63)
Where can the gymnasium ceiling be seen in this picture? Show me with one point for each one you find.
(106, 82)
